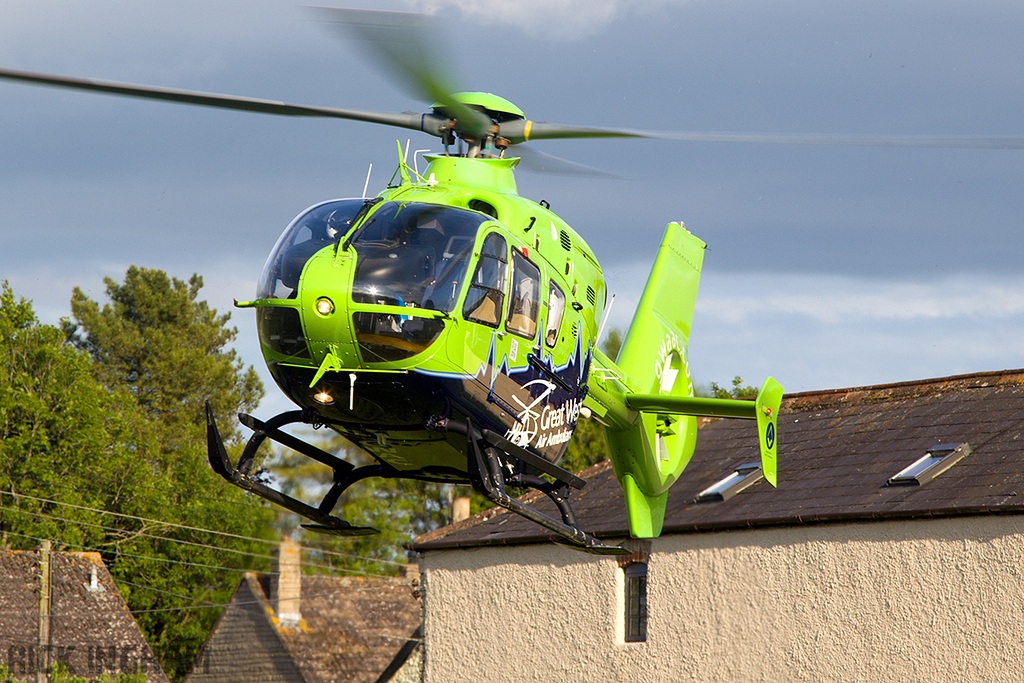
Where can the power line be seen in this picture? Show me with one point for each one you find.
(175, 540)
(108, 494)
(121, 553)
(194, 528)
(151, 488)
(174, 595)
(134, 534)
(206, 604)
(137, 518)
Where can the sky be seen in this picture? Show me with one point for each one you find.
(827, 266)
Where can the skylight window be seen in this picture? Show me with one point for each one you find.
(934, 462)
(743, 477)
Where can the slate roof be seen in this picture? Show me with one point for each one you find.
(352, 629)
(91, 630)
(837, 450)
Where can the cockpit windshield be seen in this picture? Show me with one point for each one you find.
(320, 226)
(414, 255)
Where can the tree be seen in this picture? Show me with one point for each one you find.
(588, 445)
(104, 449)
(57, 423)
(168, 349)
(737, 391)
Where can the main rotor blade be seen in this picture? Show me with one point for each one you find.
(943, 141)
(535, 161)
(516, 131)
(405, 43)
(520, 131)
(427, 123)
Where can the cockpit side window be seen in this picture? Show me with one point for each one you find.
(524, 299)
(486, 295)
(556, 306)
(319, 227)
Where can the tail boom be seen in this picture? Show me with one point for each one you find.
(646, 398)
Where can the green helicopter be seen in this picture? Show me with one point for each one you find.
(448, 326)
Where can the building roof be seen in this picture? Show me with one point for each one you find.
(91, 630)
(837, 451)
(352, 629)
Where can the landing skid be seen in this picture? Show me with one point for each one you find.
(487, 474)
(345, 473)
(487, 458)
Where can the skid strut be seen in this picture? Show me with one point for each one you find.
(487, 474)
(345, 473)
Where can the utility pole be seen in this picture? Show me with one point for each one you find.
(43, 647)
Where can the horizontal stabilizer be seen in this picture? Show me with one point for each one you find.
(765, 410)
(692, 405)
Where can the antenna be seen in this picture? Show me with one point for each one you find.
(408, 144)
(367, 184)
(604, 320)
(415, 162)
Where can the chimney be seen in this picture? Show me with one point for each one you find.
(286, 584)
(460, 509)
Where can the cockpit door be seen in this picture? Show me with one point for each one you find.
(486, 295)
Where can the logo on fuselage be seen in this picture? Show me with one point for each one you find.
(543, 425)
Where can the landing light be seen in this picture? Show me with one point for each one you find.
(324, 306)
(323, 398)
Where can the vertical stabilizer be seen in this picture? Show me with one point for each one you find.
(651, 450)
(645, 398)
(663, 317)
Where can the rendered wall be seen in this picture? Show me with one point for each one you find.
(929, 600)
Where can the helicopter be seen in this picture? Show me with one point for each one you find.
(448, 325)
(360, 329)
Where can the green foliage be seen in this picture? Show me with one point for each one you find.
(59, 674)
(57, 423)
(104, 448)
(168, 349)
(588, 445)
(613, 342)
(399, 508)
(737, 391)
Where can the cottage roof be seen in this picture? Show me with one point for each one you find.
(837, 451)
(91, 629)
(352, 629)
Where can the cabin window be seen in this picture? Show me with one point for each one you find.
(556, 306)
(486, 295)
(524, 299)
(636, 602)
(483, 207)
